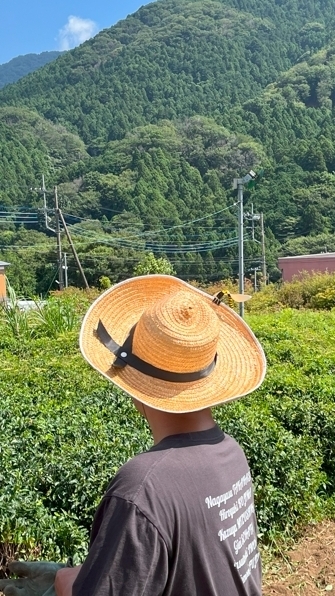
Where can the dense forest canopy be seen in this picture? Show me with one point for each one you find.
(144, 127)
(19, 67)
(172, 58)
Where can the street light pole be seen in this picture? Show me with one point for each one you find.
(238, 184)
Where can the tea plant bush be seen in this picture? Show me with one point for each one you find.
(65, 431)
(64, 434)
(300, 389)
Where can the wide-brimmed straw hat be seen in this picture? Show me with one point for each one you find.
(170, 346)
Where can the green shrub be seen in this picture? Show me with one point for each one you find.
(150, 264)
(324, 300)
(55, 316)
(267, 300)
(80, 299)
(286, 468)
(60, 314)
(315, 291)
(299, 390)
(64, 432)
(104, 282)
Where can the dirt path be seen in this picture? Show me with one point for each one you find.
(309, 569)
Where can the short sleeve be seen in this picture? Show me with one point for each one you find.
(127, 557)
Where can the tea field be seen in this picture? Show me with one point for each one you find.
(65, 431)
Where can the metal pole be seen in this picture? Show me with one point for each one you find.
(263, 250)
(240, 244)
(65, 270)
(255, 279)
(59, 245)
(73, 250)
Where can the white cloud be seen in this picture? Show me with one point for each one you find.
(75, 32)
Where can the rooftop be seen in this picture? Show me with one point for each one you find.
(319, 255)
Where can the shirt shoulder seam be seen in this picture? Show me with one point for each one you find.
(130, 502)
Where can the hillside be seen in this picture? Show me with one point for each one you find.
(168, 106)
(173, 58)
(19, 67)
(294, 119)
(31, 145)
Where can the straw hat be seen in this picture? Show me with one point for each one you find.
(170, 346)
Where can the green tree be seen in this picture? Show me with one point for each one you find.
(150, 264)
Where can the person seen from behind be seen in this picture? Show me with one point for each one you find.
(179, 519)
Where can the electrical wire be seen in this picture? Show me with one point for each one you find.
(27, 246)
(182, 225)
(129, 243)
(192, 247)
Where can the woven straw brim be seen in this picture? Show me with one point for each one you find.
(240, 367)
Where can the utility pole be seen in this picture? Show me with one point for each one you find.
(263, 249)
(59, 244)
(240, 243)
(73, 249)
(65, 270)
(62, 267)
(252, 217)
(44, 190)
(45, 208)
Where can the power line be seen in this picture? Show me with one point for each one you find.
(97, 221)
(177, 226)
(128, 240)
(125, 243)
(18, 212)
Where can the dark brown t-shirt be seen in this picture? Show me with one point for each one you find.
(177, 520)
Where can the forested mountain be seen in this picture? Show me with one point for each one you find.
(19, 67)
(171, 59)
(31, 145)
(162, 111)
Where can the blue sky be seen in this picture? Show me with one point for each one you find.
(34, 26)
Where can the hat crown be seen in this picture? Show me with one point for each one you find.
(178, 333)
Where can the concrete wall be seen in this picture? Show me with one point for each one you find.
(293, 266)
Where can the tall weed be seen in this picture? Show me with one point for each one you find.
(14, 317)
(55, 317)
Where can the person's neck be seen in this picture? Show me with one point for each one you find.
(164, 424)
